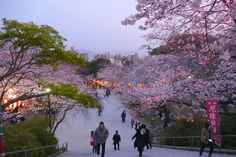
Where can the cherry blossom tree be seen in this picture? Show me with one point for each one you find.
(191, 13)
(32, 59)
(164, 79)
(199, 34)
(171, 18)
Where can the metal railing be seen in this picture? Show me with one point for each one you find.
(46, 151)
(228, 143)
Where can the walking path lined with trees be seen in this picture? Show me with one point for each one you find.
(76, 130)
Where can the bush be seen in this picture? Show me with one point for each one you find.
(188, 128)
(182, 128)
(29, 134)
(228, 127)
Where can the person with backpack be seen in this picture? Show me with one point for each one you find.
(101, 135)
(116, 140)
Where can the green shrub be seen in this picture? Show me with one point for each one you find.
(182, 128)
(188, 128)
(228, 127)
(29, 134)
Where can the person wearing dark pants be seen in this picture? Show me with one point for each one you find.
(123, 116)
(101, 135)
(139, 140)
(103, 149)
(203, 146)
(150, 140)
(116, 140)
(207, 139)
(147, 136)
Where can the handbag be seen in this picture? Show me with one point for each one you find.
(93, 143)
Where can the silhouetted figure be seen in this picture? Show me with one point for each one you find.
(151, 137)
(139, 140)
(116, 140)
(132, 123)
(108, 92)
(147, 135)
(99, 111)
(137, 125)
(123, 116)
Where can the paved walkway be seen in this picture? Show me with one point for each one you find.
(76, 131)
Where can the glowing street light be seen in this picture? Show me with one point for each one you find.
(48, 90)
(49, 109)
(10, 96)
(10, 90)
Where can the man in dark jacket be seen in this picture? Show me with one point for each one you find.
(139, 140)
(101, 135)
(147, 135)
(123, 116)
(116, 140)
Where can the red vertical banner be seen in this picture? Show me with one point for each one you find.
(213, 118)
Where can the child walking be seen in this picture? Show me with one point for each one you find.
(93, 142)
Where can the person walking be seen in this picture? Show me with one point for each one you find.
(207, 139)
(108, 92)
(151, 137)
(137, 125)
(123, 116)
(96, 95)
(116, 140)
(99, 111)
(147, 135)
(139, 142)
(101, 135)
(132, 123)
(93, 142)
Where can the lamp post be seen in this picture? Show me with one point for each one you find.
(49, 110)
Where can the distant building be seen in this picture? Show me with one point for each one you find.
(134, 58)
(116, 59)
(105, 56)
(85, 55)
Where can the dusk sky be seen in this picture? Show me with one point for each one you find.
(87, 24)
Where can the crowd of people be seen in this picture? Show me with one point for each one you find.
(141, 138)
